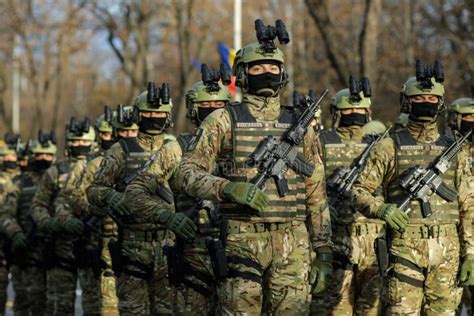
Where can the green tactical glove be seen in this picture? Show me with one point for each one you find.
(321, 270)
(246, 194)
(73, 226)
(19, 241)
(52, 226)
(467, 271)
(179, 223)
(395, 217)
(116, 201)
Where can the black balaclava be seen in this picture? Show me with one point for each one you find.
(266, 84)
(77, 151)
(423, 111)
(353, 119)
(41, 164)
(152, 125)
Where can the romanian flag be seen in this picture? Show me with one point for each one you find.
(227, 57)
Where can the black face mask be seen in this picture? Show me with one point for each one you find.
(202, 113)
(353, 119)
(152, 125)
(8, 164)
(106, 144)
(77, 151)
(466, 127)
(265, 84)
(41, 165)
(423, 111)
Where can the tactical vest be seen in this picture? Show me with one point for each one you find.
(27, 193)
(341, 153)
(135, 159)
(409, 153)
(247, 133)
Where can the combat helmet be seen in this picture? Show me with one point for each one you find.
(457, 109)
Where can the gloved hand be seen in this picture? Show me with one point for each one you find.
(321, 270)
(52, 226)
(246, 194)
(73, 226)
(395, 217)
(19, 241)
(467, 271)
(116, 201)
(179, 223)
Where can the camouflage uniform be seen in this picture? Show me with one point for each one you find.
(96, 278)
(51, 200)
(29, 276)
(275, 247)
(139, 256)
(6, 185)
(425, 258)
(356, 286)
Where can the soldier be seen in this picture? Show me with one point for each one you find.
(9, 171)
(461, 119)
(356, 286)
(122, 160)
(50, 210)
(189, 264)
(98, 273)
(424, 248)
(267, 244)
(29, 277)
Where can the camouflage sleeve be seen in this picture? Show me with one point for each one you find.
(43, 199)
(379, 171)
(142, 192)
(106, 176)
(78, 201)
(8, 222)
(465, 186)
(316, 201)
(194, 175)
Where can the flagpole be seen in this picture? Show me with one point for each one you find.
(237, 38)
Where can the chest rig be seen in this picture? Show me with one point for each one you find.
(409, 153)
(339, 153)
(135, 159)
(247, 133)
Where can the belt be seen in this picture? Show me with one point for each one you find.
(237, 227)
(143, 235)
(426, 231)
(360, 229)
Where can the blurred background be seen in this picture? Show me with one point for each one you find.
(71, 57)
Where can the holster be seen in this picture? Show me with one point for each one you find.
(218, 257)
(381, 249)
(115, 254)
(175, 261)
(49, 255)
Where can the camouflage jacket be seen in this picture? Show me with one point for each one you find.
(215, 142)
(112, 168)
(382, 170)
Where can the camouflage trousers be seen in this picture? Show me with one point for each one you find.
(36, 289)
(20, 305)
(3, 286)
(356, 287)
(61, 291)
(143, 292)
(90, 285)
(109, 300)
(424, 271)
(197, 293)
(268, 269)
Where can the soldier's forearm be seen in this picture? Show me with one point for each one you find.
(40, 216)
(96, 195)
(9, 226)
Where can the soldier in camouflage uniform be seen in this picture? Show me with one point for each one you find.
(424, 258)
(356, 286)
(106, 301)
(190, 266)
(461, 119)
(50, 212)
(137, 257)
(29, 277)
(9, 171)
(267, 244)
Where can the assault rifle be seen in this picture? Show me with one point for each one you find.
(341, 181)
(418, 182)
(274, 156)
